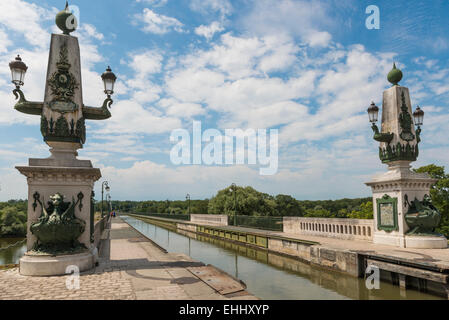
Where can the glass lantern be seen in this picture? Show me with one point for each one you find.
(109, 79)
(418, 115)
(18, 71)
(373, 113)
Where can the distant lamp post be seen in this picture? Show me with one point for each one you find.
(188, 199)
(108, 200)
(234, 189)
(104, 185)
(109, 79)
(18, 71)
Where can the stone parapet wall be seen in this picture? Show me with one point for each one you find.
(347, 229)
(98, 230)
(209, 219)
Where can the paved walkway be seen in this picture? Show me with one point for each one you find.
(131, 267)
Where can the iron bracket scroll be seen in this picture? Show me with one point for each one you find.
(25, 106)
(102, 113)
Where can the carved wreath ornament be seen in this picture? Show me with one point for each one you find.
(63, 85)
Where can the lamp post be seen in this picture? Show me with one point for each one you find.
(188, 199)
(104, 185)
(18, 71)
(234, 189)
(108, 200)
(109, 79)
(373, 114)
(63, 116)
(397, 221)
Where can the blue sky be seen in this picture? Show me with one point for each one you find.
(307, 68)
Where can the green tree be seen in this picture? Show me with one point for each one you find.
(288, 206)
(12, 222)
(365, 211)
(439, 193)
(249, 202)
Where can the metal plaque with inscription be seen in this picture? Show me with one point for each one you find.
(387, 213)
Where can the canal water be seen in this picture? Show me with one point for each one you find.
(270, 276)
(13, 254)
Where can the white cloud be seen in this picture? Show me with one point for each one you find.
(5, 42)
(209, 31)
(223, 7)
(91, 31)
(129, 116)
(181, 110)
(303, 18)
(154, 3)
(26, 18)
(158, 23)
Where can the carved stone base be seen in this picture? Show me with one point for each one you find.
(395, 189)
(425, 242)
(391, 240)
(44, 182)
(45, 265)
(63, 154)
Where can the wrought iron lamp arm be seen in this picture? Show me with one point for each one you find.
(381, 137)
(28, 107)
(102, 113)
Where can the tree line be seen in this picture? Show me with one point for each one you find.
(245, 201)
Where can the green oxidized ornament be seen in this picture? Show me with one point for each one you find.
(422, 217)
(395, 75)
(66, 21)
(58, 229)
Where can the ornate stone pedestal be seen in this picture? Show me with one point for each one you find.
(393, 193)
(75, 184)
(60, 188)
(404, 215)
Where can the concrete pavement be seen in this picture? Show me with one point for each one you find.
(130, 267)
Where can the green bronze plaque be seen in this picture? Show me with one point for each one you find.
(387, 213)
(63, 106)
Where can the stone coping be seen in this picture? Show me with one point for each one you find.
(231, 229)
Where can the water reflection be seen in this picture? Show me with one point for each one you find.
(267, 275)
(11, 255)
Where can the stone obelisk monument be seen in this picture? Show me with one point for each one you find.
(60, 187)
(403, 212)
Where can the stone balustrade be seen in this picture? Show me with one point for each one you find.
(347, 229)
(209, 219)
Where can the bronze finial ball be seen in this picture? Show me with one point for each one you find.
(395, 75)
(66, 21)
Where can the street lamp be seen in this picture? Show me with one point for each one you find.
(18, 71)
(108, 199)
(109, 79)
(234, 189)
(373, 114)
(104, 186)
(188, 199)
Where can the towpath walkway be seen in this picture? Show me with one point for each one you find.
(130, 267)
